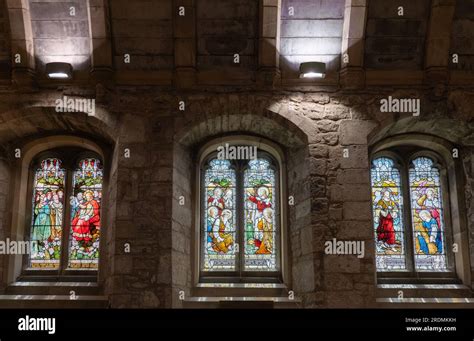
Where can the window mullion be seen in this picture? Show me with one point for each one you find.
(408, 228)
(66, 221)
(240, 211)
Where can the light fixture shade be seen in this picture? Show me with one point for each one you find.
(58, 70)
(312, 70)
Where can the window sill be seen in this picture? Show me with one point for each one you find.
(244, 295)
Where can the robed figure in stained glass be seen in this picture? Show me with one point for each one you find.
(264, 240)
(85, 214)
(386, 212)
(261, 223)
(387, 208)
(56, 216)
(217, 199)
(221, 239)
(429, 237)
(220, 217)
(87, 219)
(427, 210)
(42, 223)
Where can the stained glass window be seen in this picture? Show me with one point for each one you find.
(85, 215)
(260, 220)
(240, 215)
(66, 233)
(425, 237)
(387, 204)
(219, 217)
(427, 216)
(48, 215)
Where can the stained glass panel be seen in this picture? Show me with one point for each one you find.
(219, 217)
(427, 216)
(387, 207)
(260, 216)
(48, 213)
(85, 215)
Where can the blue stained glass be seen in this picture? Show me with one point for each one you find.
(260, 216)
(219, 225)
(427, 216)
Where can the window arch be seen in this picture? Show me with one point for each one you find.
(66, 197)
(411, 224)
(240, 216)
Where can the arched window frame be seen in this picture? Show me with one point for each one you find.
(274, 153)
(70, 157)
(403, 157)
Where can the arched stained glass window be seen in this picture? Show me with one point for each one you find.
(240, 217)
(48, 214)
(427, 215)
(66, 196)
(387, 206)
(409, 214)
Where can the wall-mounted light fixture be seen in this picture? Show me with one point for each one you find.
(312, 70)
(59, 70)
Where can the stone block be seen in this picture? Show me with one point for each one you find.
(357, 157)
(303, 276)
(356, 192)
(55, 10)
(318, 151)
(46, 29)
(311, 28)
(389, 9)
(344, 299)
(310, 46)
(318, 166)
(310, 9)
(338, 281)
(396, 27)
(142, 28)
(336, 112)
(341, 264)
(355, 132)
(141, 9)
(227, 9)
(357, 211)
(327, 126)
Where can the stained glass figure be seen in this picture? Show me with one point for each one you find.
(260, 217)
(387, 207)
(48, 214)
(85, 215)
(427, 215)
(219, 217)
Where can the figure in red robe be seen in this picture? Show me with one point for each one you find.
(87, 219)
(217, 200)
(385, 213)
(262, 201)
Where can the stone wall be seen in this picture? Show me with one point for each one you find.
(310, 31)
(396, 41)
(144, 30)
(182, 230)
(61, 33)
(4, 43)
(4, 219)
(314, 129)
(237, 33)
(462, 35)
